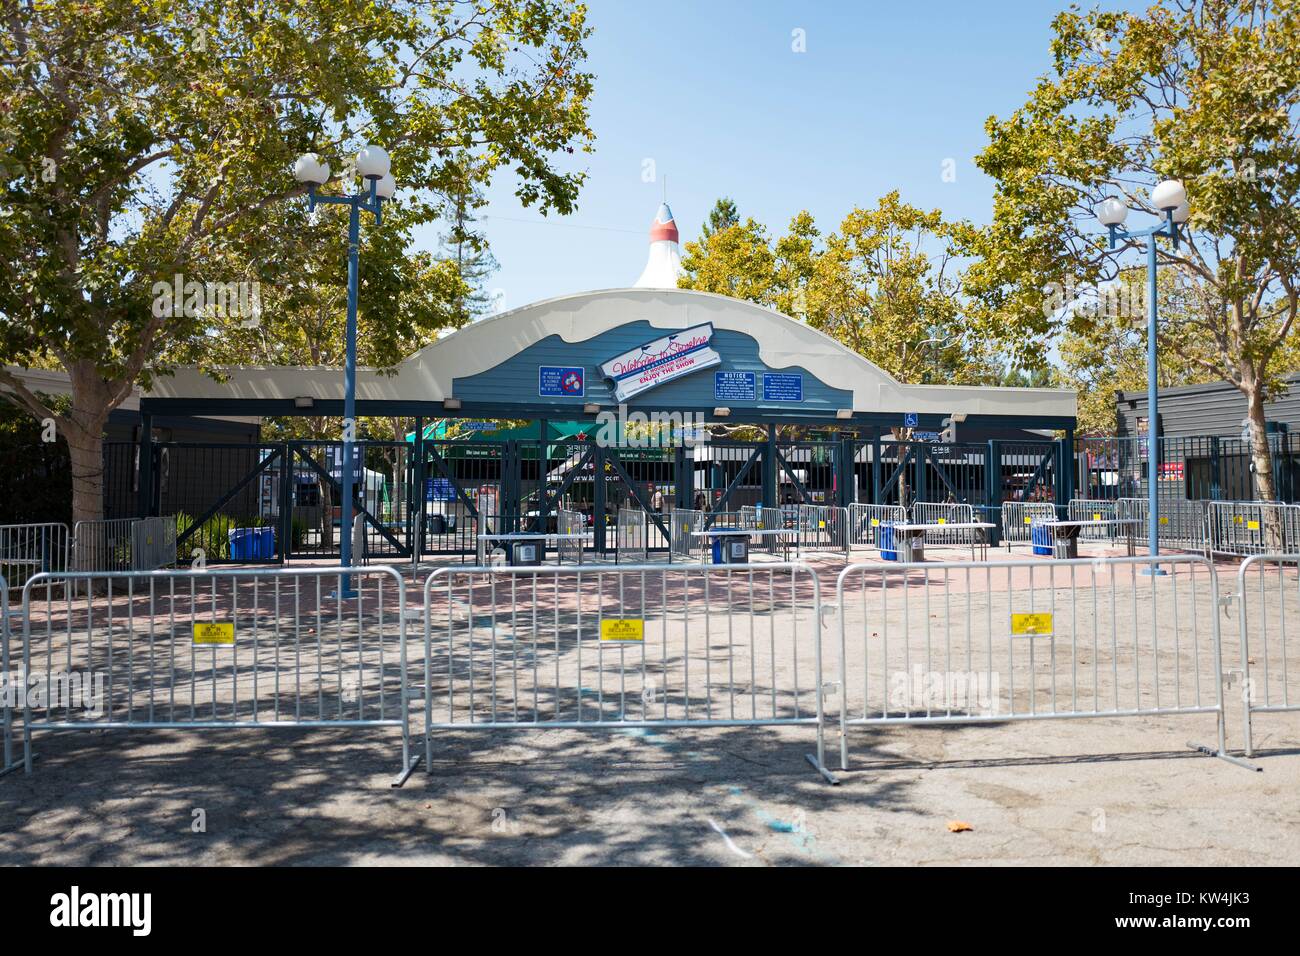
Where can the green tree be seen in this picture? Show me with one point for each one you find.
(150, 138)
(1208, 93)
(887, 286)
(723, 215)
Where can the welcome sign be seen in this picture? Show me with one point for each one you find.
(661, 361)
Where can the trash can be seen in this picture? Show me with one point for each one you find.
(1064, 546)
(888, 550)
(736, 549)
(911, 547)
(719, 544)
(1040, 537)
(437, 524)
(251, 544)
(525, 553)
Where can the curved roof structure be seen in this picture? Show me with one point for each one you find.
(554, 359)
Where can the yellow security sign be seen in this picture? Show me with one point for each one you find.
(1164, 519)
(943, 521)
(821, 524)
(1029, 520)
(1096, 516)
(622, 629)
(213, 634)
(1031, 625)
(1252, 525)
(875, 522)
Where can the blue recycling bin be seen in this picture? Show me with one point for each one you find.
(1040, 536)
(251, 544)
(719, 544)
(888, 549)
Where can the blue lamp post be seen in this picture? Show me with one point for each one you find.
(1171, 199)
(372, 165)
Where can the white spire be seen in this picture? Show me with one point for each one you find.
(664, 263)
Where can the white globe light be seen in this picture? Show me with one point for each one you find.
(386, 186)
(1182, 212)
(1112, 212)
(372, 162)
(309, 169)
(1170, 194)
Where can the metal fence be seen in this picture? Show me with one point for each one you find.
(124, 544)
(935, 512)
(1268, 591)
(632, 544)
(1244, 528)
(613, 648)
(30, 549)
(216, 649)
(865, 522)
(1022, 640)
(7, 690)
(570, 523)
(1018, 518)
(1180, 524)
(1096, 509)
(823, 528)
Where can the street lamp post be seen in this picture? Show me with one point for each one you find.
(373, 166)
(1171, 199)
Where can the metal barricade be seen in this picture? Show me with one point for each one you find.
(1268, 591)
(569, 523)
(1095, 509)
(681, 645)
(865, 522)
(30, 549)
(824, 528)
(1244, 528)
(8, 690)
(1018, 518)
(1021, 640)
(1181, 524)
(937, 512)
(682, 543)
(632, 530)
(216, 649)
(103, 546)
(153, 543)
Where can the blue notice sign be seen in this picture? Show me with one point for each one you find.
(562, 381)
(439, 489)
(734, 386)
(781, 387)
(910, 419)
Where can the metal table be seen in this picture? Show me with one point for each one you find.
(914, 534)
(1067, 533)
(780, 535)
(526, 536)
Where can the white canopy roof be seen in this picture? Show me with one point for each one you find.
(783, 342)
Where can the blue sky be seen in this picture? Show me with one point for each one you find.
(715, 95)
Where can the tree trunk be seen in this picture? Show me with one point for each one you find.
(83, 430)
(1262, 463)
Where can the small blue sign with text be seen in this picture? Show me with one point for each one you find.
(782, 387)
(560, 380)
(734, 386)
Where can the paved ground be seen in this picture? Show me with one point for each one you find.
(1030, 793)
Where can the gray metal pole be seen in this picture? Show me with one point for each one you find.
(1153, 445)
